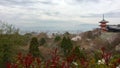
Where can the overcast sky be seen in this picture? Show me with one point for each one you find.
(58, 14)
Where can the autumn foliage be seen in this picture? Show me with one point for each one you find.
(57, 61)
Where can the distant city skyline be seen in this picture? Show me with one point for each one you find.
(59, 14)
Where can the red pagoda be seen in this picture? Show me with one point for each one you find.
(103, 25)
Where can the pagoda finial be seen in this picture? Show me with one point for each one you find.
(103, 17)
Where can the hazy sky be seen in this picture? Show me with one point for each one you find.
(58, 14)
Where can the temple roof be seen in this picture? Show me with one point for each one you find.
(103, 21)
(113, 28)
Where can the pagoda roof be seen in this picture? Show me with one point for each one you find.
(103, 21)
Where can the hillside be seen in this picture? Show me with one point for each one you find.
(64, 48)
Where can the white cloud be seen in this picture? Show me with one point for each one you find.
(67, 13)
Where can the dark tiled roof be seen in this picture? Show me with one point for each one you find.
(103, 21)
(113, 28)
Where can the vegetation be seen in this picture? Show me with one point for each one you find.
(106, 60)
(66, 45)
(23, 51)
(33, 49)
(42, 41)
(5, 54)
(8, 29)
(10, 41)
(57, 38)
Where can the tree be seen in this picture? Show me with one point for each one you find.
(8, 28)
(33, 49)
(42, 41)
(66, 33)
(6, 51)
(57, 38)
(80, 54)
(70, 45)
(66, 45)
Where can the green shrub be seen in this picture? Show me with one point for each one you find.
(57, 38)
(66, 45)
(33, 49)
(42, 41)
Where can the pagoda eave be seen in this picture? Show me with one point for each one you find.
(103, 22)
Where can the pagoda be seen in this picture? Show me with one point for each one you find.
(103, 25)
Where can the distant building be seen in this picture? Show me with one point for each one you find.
(76, 38)
(103, 24)
(109, 28)
(113, 28)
